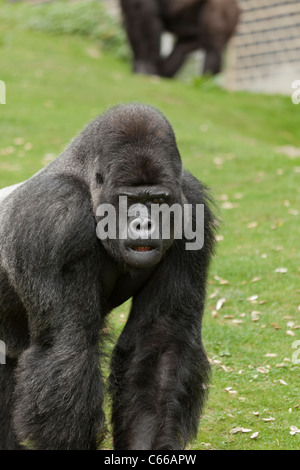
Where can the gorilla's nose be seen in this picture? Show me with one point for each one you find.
(141, 228)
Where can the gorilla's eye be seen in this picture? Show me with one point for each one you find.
(158, 200)
(99, 178)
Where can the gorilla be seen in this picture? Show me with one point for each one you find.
(59, 280)
(196, 24)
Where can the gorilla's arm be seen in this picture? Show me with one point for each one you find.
(144, 28)
(159, 367)
(55, 267)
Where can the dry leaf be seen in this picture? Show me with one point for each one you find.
(229, 205)
(267, 420)
(252, 298)
(275, 326)
(220, 303)
(254, 435)
(263, 370)
(282, 382)
(255, 315)
(256, 279)
(289, 150)
(235, 430)
(220, 280)
(294, 430)
(281, 270)
(237, 322)
(19, 141)
(205, 444)
(293, 212)
(252, 224)
(214, 294)
(290, 333)
(218, 161)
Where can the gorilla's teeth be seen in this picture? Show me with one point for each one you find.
(142, 248)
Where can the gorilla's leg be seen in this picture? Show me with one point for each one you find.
(159, 368)
(144, 29)
(7, 383)
(170, 66)
(59, 392)
(57, 265)
(213, 62)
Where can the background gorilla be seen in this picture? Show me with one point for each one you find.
(58, 282)
(196, 24)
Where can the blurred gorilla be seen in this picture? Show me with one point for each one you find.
(59, 281)
(196, 24)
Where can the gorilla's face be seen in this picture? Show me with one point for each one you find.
(137, 226)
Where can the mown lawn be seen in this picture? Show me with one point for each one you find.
(244, 147)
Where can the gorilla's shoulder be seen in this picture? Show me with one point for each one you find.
(48, 215)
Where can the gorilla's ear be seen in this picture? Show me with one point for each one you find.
(99, 179)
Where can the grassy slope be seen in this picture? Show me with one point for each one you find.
(55, 85)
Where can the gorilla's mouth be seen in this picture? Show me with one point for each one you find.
(142, 248)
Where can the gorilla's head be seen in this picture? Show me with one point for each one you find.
(138, 168)
(139, 174)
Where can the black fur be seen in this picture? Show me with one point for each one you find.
(196, 24)
(58, 282)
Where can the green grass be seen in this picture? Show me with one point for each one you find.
(56, 83)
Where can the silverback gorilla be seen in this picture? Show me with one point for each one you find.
(196, 24)
(59, 281)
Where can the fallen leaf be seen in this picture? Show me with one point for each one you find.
(276, 326)
(237, 322)
(19, 141)
(293, 212)
(214, 294)
(254, 435)
(294, 430)
(262, 370)
(281, 270)
(220, 303)
(220, 280)
(290, 333)
(267, 420)
(289, 150)
(236, 430)
(255, 315)
(252, 224)
(256, 279)
(229, 205)
(252, 298)
(282, 382)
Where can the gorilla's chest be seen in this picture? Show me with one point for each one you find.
(119, 285)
